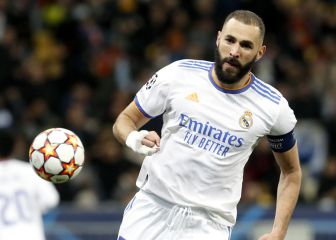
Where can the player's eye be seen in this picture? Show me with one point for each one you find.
(230, 40)
(246, 45)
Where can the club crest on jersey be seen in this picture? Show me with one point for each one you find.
(246, 121)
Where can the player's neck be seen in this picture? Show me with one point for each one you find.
(235, 86)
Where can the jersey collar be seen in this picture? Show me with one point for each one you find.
(230, 91)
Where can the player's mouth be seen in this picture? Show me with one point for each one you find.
(229, 65)
(232, 63)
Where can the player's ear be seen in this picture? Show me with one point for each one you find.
(261, 52)
(218, 38)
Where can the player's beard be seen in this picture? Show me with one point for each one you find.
(230, 77)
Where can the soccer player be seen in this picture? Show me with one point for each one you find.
(213, 115)
(24, 196)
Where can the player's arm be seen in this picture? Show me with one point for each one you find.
(129, 119)
(288, 192)
(125, 129)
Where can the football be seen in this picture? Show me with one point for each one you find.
(57, 155)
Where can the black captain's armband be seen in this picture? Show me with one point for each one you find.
(282, 143)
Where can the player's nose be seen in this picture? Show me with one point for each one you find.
(235, 50)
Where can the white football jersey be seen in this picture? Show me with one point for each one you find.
(208, 135)
(24, 197)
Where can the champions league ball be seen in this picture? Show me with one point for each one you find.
(57, 155)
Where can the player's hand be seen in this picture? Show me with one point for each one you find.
(270, 236)
(143, 142)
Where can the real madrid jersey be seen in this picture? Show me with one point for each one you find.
(208, 135)
(24, 197)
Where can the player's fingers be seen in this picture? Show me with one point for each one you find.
(152, 136)
(148, 143)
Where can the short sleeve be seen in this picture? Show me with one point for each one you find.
(286, 120)
(151, 99)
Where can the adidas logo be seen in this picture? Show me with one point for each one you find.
(192, 97)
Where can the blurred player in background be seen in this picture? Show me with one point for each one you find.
(213, 115)
(24, 196)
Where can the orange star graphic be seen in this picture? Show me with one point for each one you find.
(49, 150)
(72, 140)
(43, 174)
(69, 168)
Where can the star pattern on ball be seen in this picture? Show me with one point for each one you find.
(72, 140)
(49, 150)
(69, 168)
(43, 174)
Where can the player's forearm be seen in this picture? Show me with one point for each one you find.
(288, 192)
(122, 127)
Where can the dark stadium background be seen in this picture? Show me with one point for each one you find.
(77, 64)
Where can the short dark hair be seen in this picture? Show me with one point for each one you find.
(7, 140)
(249, 18)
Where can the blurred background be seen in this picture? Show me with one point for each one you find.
(77, 63)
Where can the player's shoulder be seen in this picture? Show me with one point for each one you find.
(21, 166)
(177, 70)
(192, 64)
(19, 163)
(16, 167)
(266, 91)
